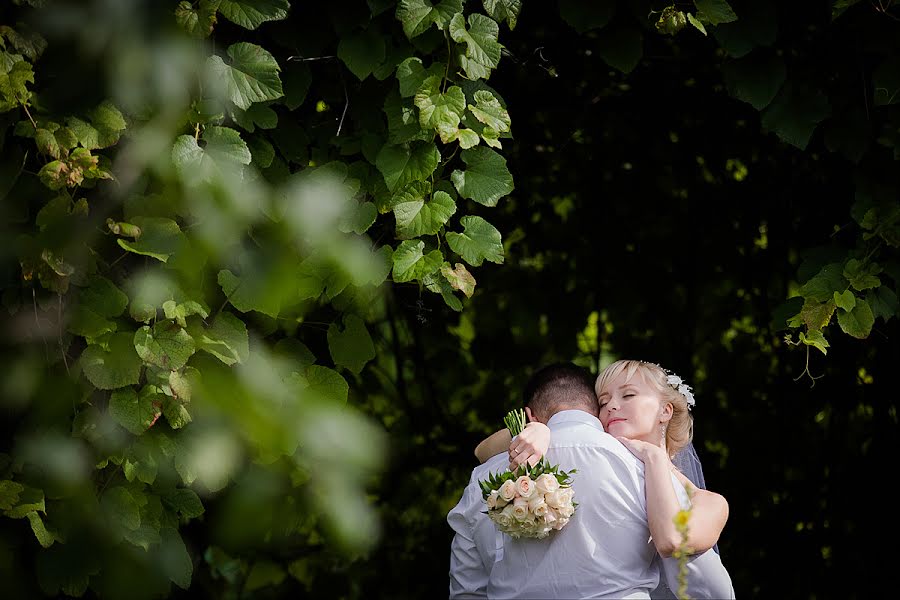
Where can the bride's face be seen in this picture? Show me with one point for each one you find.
(631, 408)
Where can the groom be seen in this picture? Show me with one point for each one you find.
(604, 550)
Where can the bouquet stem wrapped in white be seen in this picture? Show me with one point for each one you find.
(529, 502)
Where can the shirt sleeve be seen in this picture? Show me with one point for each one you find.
(469, 572)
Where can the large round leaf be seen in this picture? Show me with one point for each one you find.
(351, 347)
(113, 367)
(253, 13)
(251, 77)
(166, 345)
(478, 242)
(486, 178)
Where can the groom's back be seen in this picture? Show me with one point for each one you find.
(603, 551)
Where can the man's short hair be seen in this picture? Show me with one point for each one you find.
(560, 386)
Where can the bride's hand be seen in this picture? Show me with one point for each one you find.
(644, 450)
(530, 445)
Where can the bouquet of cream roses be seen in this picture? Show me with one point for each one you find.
(530, 501)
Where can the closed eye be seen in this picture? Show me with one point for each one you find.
(628, 395)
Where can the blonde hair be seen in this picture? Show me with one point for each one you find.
(680, 429)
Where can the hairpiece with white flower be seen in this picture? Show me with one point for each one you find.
(684, 389)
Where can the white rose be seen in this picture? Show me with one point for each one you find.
(537, 506)
(566, 511)
(567, 494)
(508, 490)
(560, 523)
(546, 483)
(492, 499)
(520, 508)
(555, 499)
(500, 501)
(525, 486)
(505, 518)
(549, 516)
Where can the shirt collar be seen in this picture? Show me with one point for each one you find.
(576, 416)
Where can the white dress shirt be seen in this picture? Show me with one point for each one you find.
(603, 552)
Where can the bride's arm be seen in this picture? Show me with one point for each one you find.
(495, 444)
(709, 511)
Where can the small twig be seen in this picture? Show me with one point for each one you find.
(302, 59)
(62, 350)
(807, 372)
(346, 105)
(29, 116)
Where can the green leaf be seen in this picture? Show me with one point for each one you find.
(815, 315)
(486, 178)
(160, 238)
(9, 493)
(197, 22)
(469, 139)
(263, 574)
(482, 49)
(883, 302)
(754, 28)
(136, 412)
(479, 241)
(459, 278)
(503, 10)
(436, 283)
(755, 79)
(584, 16)
(825, 283)
(716, 11)
(845, 300)
(696, 23)
(441, 112)
(44, 537)
(410, 263)
(621, 48)
(226, 339)
(489, 111)
(262, 151)
(412, 74)
(326, 384)
(174, 559)
(795, 113)
(359, 218)
(223, 150)
(862, 276)
(115, 367)
(166, 345)
(417, 16)
(362, 52)
(250, 14)
(403, 121)
(407, 163)
(104, 298)
(251, 77)
(250, 292)
(858, 322)
(185, 502)
(297, 78)
(179, 311)
(176, 413)
(351, 347)
(417, 217)
(121, 509)
(30, 500)
(46, 143)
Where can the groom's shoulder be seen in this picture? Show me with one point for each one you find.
(495, 464)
